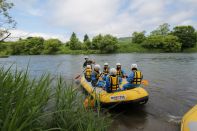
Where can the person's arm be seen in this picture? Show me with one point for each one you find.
(124, 73)
(107, 84)
(130, 77)
(84, 64)
(120, 80)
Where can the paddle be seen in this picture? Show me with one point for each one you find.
(80, 74)
(145, 82)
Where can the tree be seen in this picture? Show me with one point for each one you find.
(6, 21)
(163, 30)
(74, 42)
(108, 44)
(34, 45)
(96, 41)
(52, 46)
(154, 41)
(168, 43)
(85, 38)
(171, 44)
(186, 35)
(138, 37)
(87, 43)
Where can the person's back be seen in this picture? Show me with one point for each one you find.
(87, 62)
(105, 71)
(95, 75)
(88, 73)
(112, 81)
(134, 79)
(120, 72)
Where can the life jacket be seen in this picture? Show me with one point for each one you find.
(119, 73)
(88, 73)
(97, 74)
(137, 77)
(114, 83)
(106, 71)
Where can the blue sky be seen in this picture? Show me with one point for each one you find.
(59, 18)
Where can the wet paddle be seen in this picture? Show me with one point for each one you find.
(79, 74)
(145, 82)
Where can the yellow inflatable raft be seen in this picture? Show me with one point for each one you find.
(136, 95)
(189, 121)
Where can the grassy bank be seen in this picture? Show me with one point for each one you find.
(43, 104)
(191, 50)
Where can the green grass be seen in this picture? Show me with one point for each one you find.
(190, 50)
(128, 47)
(66, 50)
(44, 104)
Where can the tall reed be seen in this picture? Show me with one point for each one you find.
(43, 104)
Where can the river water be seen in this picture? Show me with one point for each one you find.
(172, 84)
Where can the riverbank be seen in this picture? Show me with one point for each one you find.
(123, 46)
(44, 104)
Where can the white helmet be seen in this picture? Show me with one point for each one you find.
(113, 71)
(118, 64)
(89, 66)
(97, 66)
(134, 66)
(106, 64)
(85, 57)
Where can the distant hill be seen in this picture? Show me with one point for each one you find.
(124, 39)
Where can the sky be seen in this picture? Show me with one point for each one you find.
(59, 18)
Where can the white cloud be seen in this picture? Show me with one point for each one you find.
(16, 34)
(110, 16)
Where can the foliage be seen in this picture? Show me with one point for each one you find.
(186, 34)
(33, 45)
(52, 46)
(74, 42)
(44, 104)
(87, 44)
(154, 41)
(86, 37)
(138, 37)
(163, 30)
(6, 22)
(108, 44)
(96, 40)
(171, 44)
(168, 43)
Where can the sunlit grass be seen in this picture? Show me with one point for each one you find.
(43, 104)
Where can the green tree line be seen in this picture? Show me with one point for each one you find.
(176, 40)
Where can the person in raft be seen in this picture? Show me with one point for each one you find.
(95, 76)
(88, 72)
(134, 79)
(112, 81)
(105, 71)
(120, 72)
(87, 62)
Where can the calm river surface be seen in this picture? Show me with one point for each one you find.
(172, 88)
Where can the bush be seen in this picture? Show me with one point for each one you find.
(168, 43)
(138, 37)
(52, 46)
(187, 36)
(171, 44)
(108, 44)
(155, 41)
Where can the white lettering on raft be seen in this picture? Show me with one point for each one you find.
(114, 98)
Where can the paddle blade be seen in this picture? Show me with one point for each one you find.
(77, 76)
(145, 82)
